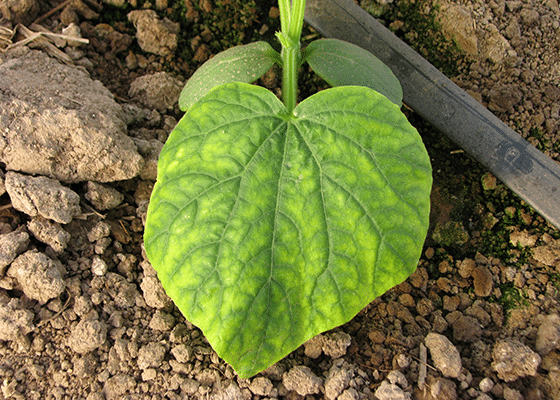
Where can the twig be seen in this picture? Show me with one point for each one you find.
(51, 12)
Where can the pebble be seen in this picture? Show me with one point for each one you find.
(483, 281)
(48, 232)
(486, 385)
(15, 321)
(103, 197)
(42, 196)
(442, 388)
(154, 293)
(445, 355)
(548, 335)
(159, 91)
(261, 386)
(512, 360)
(337, 381)
(154, 35)
(40, 277)
(302, 380)
(11, 245)
(466, 329)
(390, 391)
(151, 355)
(87, 336)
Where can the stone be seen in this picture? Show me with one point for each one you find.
(153, 34)
(20, 11)
(313, 348)
(548, 335)
(261, 386)
(457, 23)
(15, 321)
(512, 360)
(150, 150)
(40, 277)
(103, 197)
(337, 381)
(466, 329)
(162, 321)
(158, 91)
(56, 121)
(116, 386)
(390, 391)
(494, 46)
(466, 267)
(49, 232)
(42, 196)
(302, 380)
(11, 245)
(151, 355)
(548, 254)
(445, 355)
(336, 343)
(442, 389)
(504, 97)
(483, 281)
(182, 353)
(154, 294)
(87, 336)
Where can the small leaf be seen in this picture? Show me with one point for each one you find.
(267, 229)
(341, 63)
(245, 63)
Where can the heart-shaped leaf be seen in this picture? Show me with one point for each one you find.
(343, 64)
(267, 228)
(245, 63)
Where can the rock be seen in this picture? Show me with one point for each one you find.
(483, 281)
(154, 294)
(512, 360)
(11, 245)
(512, 394)
(442, 389)
(15, 321)
(313, 348)
(150, 150)
(466, 267)
(548, 335)
(337, 381)
(20, 11)
(159, 91)
(151, 355)
(38, 275)
(153, 34)
(445, 355)
(232, 392)
(49, 232)
(102, 196)
(302, 380)
(466, 329)
(523, 238)
(390, 391)
(486, 385)
(494, 47)
(116, 386)
(349, 394)
(261, 386)
(336, 343)
(42, 196)
(56, 121)
(87, 336)
(457, 23)
(504, 97)
(162, 321)
(548, 254)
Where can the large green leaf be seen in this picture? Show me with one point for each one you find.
(245, 63)
(343, 64)
(267, 229)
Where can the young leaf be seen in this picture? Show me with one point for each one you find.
(245, 63)
(267, 229)
(341, 63)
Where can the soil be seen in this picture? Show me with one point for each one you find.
(487, 287)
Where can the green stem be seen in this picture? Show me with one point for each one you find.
(291, 20)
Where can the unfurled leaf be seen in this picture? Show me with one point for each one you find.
(245, 63)
(341, 63)
(267, 228)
